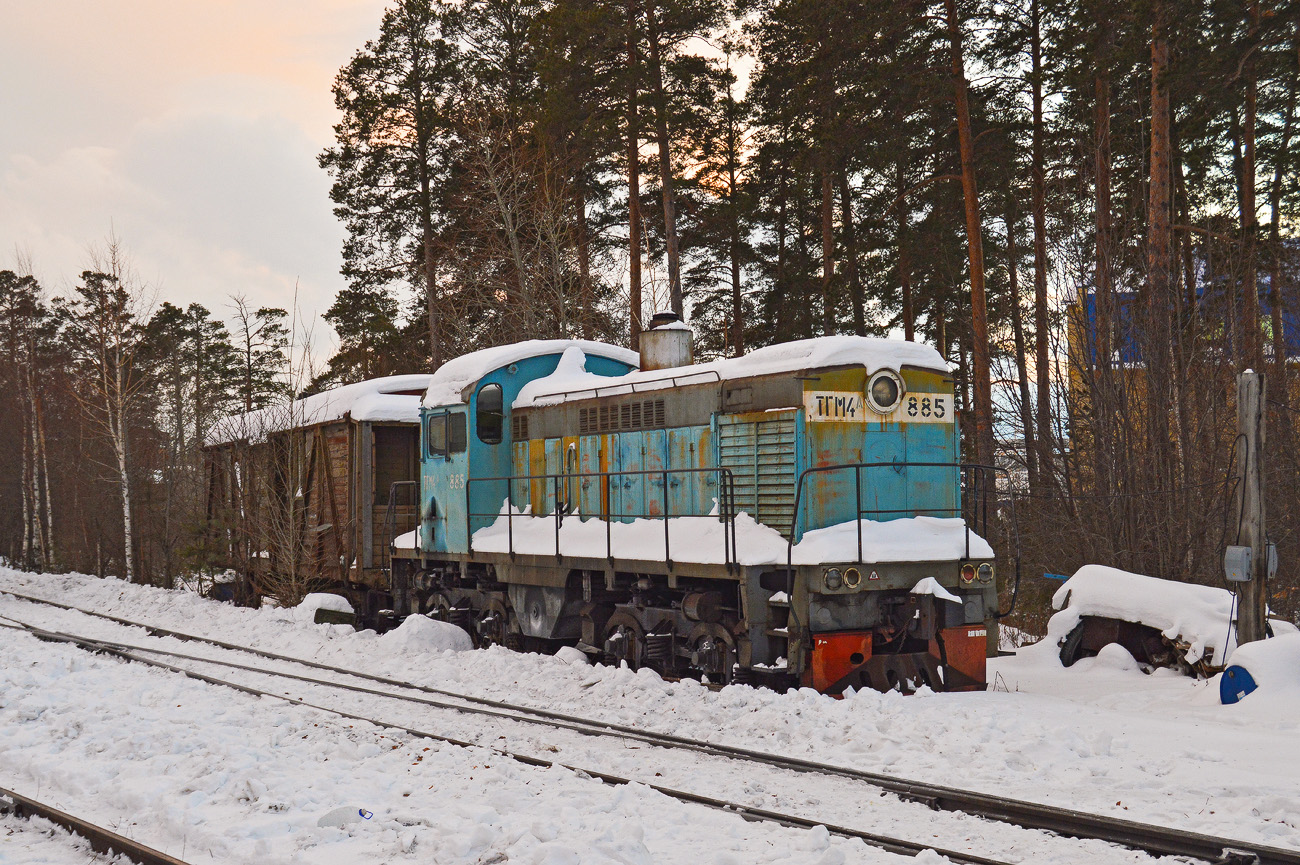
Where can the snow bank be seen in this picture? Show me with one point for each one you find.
(449, 383)
(1198, 615)
(701, 540)
(419, 634)
(395, 398)
(306, 611)
(1274, 664)
(870, 352)
(216, 770)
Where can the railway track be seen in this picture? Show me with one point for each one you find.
(101, 840)
(1155, 840)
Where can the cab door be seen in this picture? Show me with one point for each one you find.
(444, 469)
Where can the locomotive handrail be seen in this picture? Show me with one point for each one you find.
(390, 517)
(979, 506)
(726, 507)
(632, 385)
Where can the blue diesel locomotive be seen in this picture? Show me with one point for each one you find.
(796, 516)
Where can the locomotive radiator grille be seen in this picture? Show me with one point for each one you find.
(761, 457)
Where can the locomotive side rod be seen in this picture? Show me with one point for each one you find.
(1157, 840)
(893, 845)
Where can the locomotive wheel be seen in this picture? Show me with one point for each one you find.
(493, 626)
(624, 641)
(713, 652)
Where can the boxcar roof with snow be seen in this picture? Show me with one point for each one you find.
(395, 399)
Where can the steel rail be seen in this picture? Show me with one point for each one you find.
(746, 812)
(1156, 840)
(101, 840)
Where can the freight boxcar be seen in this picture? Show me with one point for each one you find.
(309, 495)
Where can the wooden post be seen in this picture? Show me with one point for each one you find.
(1250, 503)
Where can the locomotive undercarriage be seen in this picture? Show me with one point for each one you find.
(757, 625)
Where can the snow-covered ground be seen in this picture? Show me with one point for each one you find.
(232, 778)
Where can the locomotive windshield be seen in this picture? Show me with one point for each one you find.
(445, 433)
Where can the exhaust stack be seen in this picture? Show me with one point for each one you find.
(668, 343)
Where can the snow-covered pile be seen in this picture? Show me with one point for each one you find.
(306, 610)
(450, 383)
(701, 539)
(395, 398)
(1200, 616)
(790, 357)
(1274, 664)
(420, 634)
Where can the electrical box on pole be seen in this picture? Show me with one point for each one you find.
(1250, 571)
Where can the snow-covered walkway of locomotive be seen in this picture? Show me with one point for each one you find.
(703, 540)
(1146, 748)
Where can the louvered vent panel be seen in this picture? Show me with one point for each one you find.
(519, 427)
(647, 414)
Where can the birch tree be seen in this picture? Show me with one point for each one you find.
(103, 332)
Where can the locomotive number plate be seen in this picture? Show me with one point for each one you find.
(926, 408)
(850, 407)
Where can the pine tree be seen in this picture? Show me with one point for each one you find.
(389, 164)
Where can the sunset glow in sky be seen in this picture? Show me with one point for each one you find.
(190, 129)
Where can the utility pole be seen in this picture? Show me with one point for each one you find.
(1250, 504)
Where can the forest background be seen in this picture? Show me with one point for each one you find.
(1088, 207)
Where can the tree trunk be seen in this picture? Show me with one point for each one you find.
(428, 259)
(828, 249)
(50, 558)
(584, 264)
(665, 162)
(737, 300)
(905, 266)
(851, 252)
(1159, 251)
(1103, 379)
(1018, 333)
(633, 184)
(117, 411)
(1042, 360)
(981, 385)
(29, 506)
(1280, 387)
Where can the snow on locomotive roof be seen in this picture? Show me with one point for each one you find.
(449, 383)
(827, 351)
(395, 398)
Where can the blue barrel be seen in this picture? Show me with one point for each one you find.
(1235, 683)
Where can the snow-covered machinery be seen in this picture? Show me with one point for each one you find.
(799, 515)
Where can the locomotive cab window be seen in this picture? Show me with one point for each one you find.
(490, 419)
(445, 433)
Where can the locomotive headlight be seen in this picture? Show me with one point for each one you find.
(885, 391)
(986, 573)
(968, 573)
(852, 577)
(833, 579)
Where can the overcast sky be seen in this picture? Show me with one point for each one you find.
(190, 129)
